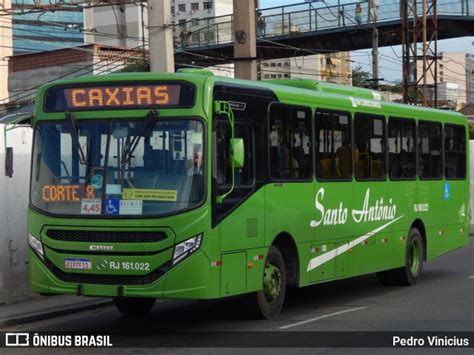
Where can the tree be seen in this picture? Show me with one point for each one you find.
(360, 77)
(138, 65)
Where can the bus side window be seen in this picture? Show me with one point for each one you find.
(369, 146)
(429, 151)
(454, 151)
(402, 148)
(333, 145)
(289, 140)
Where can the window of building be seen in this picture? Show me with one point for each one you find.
(273, 76)
(182, 23)
(429, 151)
(287, 75)
(402, 148)
(182, 7)
(290, 143)
(332, 138)
(194, 6)
(273, 64)
(279, 64)
(172, 10)
(454, 152)
(207, 5)
(195, 36)
(369, 147)
(194, 22)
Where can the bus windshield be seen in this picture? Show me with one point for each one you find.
(115, 168)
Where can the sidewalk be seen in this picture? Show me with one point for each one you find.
(47, 307)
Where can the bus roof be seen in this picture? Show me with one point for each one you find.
(300, 91)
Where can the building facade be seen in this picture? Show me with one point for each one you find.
(126, 25)
(45, 31)
(455, 79)
(6, 50)
(470, 78)
(29, 71)
(332, 67)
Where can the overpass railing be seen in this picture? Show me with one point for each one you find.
(301, 18)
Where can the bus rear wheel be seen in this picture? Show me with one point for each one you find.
(130, 306)
(271, 298)
(410, 273)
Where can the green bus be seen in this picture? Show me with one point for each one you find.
(193, 186)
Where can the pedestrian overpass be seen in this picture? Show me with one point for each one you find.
(316, 27)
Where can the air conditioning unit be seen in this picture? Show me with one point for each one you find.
(191, 12)
(178, 13)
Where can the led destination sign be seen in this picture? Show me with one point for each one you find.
(136, 96)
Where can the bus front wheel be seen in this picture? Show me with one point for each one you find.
(271, 298)
(410, 273)
(130, 306)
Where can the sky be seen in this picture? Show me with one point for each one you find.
(390, 65)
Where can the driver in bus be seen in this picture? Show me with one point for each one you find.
(196, 168)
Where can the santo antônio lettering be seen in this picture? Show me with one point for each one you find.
(369, 212)
(122, 96)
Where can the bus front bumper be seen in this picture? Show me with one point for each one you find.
(189, 279)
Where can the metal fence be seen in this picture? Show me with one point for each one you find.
(306, 17)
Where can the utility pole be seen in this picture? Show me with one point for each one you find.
(245, 42)
(160, 36)
(373, 17)
(120, 17)
(375, 58)
(420, 81)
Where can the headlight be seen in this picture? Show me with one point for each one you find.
(36, 245)
(186, 248)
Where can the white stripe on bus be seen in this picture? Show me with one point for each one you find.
(321, 259)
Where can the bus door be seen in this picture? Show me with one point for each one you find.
(455, 188)
(370, 194)
(289, 197)
(332, 220)
(403, 182)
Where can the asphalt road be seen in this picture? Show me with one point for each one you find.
(442, 301)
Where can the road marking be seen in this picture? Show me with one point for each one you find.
(471, 277)
(321, 317)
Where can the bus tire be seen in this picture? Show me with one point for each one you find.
(410, 273)
(134, 306)
(271, 298)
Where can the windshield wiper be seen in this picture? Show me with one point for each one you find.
(147, 129)
(75, 138)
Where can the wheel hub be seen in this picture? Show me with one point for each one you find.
(272, 282)
(414, 261)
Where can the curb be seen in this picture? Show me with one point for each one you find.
(52, 312)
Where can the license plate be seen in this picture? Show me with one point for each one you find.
(78, 264)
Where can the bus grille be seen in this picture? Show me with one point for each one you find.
(106, 236)
(118, 280)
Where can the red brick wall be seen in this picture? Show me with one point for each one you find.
(48, 59)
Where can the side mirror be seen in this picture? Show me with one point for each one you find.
(237, 152)
(9, 162)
